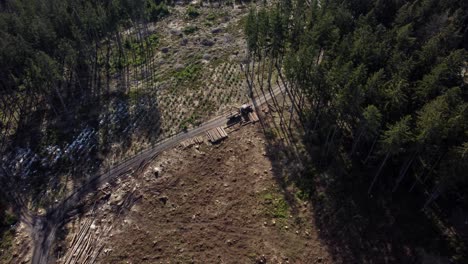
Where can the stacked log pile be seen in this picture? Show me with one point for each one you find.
(216, 134)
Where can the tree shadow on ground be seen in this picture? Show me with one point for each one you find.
(75, 145)
(356, 227)
(50, 152)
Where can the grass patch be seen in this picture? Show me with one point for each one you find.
(252, 256)
(190, 30)
(135, 94)
(134, 52)
(270, 134)
(275, 205)
(188, 73)
(192, 12)
(302, 195)
(193, 120)
(211, 16)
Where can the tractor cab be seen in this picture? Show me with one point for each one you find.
(245, 109)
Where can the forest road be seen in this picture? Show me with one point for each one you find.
(44, 228)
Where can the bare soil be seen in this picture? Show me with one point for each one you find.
(207, 204)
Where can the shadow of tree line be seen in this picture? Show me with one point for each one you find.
(85, 142)
(356, 227)
(48, 151)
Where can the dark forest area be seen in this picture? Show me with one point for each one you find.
(64, 77)
(58, 59)
(58, 56)
(380, 91)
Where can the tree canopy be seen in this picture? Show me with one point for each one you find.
(384, 77)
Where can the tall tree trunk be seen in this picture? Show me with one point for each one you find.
(355, 143)
(282, 124)
(428, 173)
(59, 95)
(403, 171)
(432, 197)
(291, 97)
(371, 149)
(378, 173)
(330, 142)
(108, 54)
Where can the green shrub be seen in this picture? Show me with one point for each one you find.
(190, 29)
(10, 219)
(276, 206)
(270, 134)
(211, 16)
(193, 120)
(128, 44)
(7, 218)
(153, 39)
(156, 12)
(188, 73)
(192, 12)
